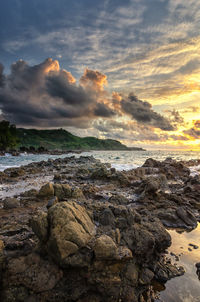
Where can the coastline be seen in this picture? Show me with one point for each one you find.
(125, 216)
(60, 152)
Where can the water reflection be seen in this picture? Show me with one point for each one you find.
(186, 288)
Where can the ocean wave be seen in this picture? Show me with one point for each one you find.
(7, 155)
(120, 160)
(2, 168)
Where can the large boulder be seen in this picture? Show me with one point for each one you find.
(150, 162)
(69, 228)
(147, 239)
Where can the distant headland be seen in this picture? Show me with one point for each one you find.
(60, 139)
(34, 140)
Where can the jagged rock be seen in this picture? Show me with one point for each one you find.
(59, 192)
(113, 258)
(188, 218)
(150, 162)
(118, 199)
(105, 248)
(123, 253)
(132, 272)
(77, 194)
(101, 173)
(57, 176)
(146, 276)
(161, 236)
(152, 185)
(33, 273)
(147, 238)
(16, 172)
(52, 202)
(107, 217)
(177, 218)
(11, 203)
(120, 178)
(168, 271)
(67, 191)
(70, 228)
(39, 225)
(30, 193)
(46, 191)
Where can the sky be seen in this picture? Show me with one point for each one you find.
(121, 69)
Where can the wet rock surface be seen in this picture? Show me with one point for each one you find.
(93, 233)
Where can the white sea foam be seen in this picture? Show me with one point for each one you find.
(2, 167)
(194, 170)
(8, 154)
(124, 167)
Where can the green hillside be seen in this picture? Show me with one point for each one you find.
(59, 139)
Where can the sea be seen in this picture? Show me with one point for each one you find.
(181, 289)
(121, 160)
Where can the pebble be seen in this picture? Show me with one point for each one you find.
(194, 246)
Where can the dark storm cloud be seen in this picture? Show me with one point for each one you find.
(103, 111)
(44, 96)
(59, 86)
(142, 112)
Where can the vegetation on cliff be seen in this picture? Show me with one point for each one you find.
(63, 140)
(8, 135)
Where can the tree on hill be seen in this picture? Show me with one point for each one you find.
(8, 135)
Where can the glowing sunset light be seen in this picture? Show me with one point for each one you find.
(127, 70)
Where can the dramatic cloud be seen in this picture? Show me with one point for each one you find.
(194, 132)
(142, 112)
(179, 138)
(129, 131)
(93, 80)
(175, 118)
(46, 96)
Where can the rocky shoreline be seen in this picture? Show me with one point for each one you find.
(93, 233)
(38, 151)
